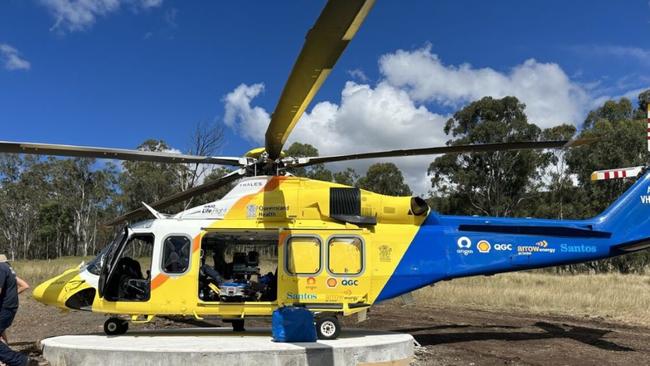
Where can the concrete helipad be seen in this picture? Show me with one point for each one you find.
(220, 346)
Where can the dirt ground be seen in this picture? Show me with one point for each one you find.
(447, 336)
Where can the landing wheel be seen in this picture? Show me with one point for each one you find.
(238, 325)
(328, 327)
(115, 326)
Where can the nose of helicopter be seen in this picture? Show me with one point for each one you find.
(57, 290)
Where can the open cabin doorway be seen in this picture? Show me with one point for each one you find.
(130, 273)
(239, 266)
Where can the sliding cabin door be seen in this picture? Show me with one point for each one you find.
(324, 269)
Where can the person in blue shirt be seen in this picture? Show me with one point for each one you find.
(10, 287)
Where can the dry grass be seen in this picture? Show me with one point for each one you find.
(37, 271)
(621, 298)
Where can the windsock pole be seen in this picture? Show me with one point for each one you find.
(616, 173)
(624, 172)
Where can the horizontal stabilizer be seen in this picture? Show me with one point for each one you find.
(634, 246)
(617, 173)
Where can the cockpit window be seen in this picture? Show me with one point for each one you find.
(95, 265)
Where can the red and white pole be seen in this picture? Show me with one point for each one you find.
(648, 130)
(616, 173)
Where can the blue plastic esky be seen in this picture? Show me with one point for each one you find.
(137, 73)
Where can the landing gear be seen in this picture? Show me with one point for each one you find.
(237, 324)
(328, 327)
(115, 326)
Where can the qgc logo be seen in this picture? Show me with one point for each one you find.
(503, 247)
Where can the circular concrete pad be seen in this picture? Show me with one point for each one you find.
(220, 346)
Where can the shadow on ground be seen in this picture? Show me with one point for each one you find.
(589, 336)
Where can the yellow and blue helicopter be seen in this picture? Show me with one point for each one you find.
(279, 240)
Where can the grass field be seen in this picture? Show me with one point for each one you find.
(37, 271)
(621, 298)
(616, 297)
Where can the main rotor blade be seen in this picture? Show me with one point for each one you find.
(180, 197)
(525, 145)
(110, 153)
(325, 42)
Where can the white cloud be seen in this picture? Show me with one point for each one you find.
(639, 54)
(399, 111)
(550, 96)
(170, 17)
(249, 122)
(359, 75)
(150, 3)
(76, 15)
(367, 119)
(12, 59)
(632, 95)
(374, 119)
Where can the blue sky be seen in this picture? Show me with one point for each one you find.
(116, 72)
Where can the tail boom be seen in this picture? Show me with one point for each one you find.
(448, 247)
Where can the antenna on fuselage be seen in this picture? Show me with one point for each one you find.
(155, 213)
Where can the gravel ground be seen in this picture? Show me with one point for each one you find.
(446, 335)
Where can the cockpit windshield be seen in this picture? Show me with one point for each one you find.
(95, 265)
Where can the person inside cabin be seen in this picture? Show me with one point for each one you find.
(220, 265)
(217, 273)
(10, 286)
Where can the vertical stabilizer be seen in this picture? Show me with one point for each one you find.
(628, 218)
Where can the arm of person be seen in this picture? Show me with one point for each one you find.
(22, 285)
(3, 278)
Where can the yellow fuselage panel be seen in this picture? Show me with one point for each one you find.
(293, 207)
(293, 198)
(56, 291)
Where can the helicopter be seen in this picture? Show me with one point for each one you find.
(278, 240)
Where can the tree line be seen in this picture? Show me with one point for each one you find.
(51, 207)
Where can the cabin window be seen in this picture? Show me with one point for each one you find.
(303, 255)
(176, 254)
(345, 255)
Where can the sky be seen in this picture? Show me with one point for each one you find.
(114, 73)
